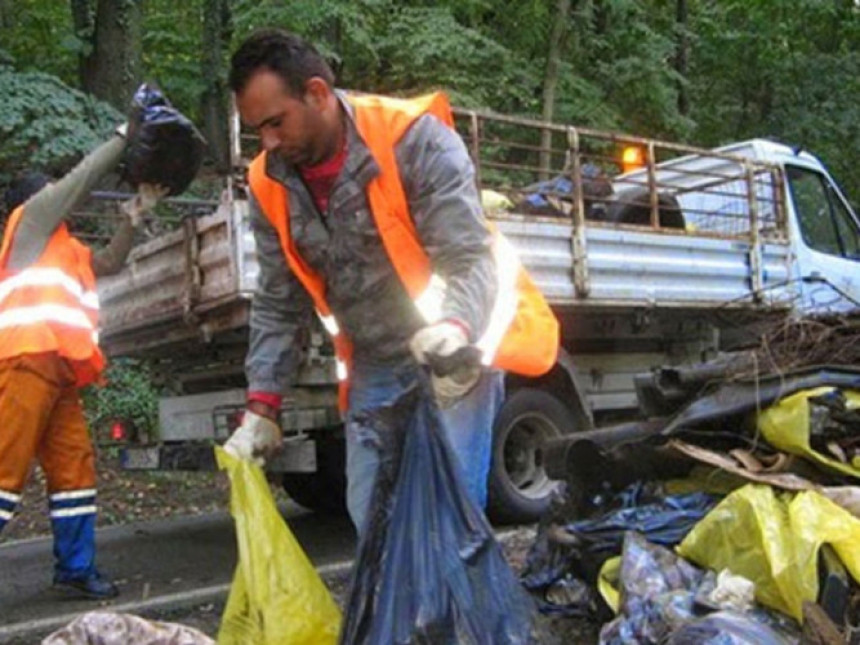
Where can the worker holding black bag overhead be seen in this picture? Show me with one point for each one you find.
(365, 211)
(49, 325)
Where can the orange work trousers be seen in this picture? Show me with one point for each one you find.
(41, 417)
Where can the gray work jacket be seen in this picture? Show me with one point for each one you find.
(344, 247)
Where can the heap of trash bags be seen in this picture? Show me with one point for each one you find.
(755, 545)
(758, 542)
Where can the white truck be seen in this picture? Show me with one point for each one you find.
(661, 264)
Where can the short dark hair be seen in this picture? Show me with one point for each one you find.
(22, 189)
(290, 57)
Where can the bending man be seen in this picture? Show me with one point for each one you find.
(365, 211)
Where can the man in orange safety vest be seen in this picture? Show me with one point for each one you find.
(49, 349)
(365, 212)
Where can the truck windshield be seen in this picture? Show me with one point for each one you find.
(825, 222)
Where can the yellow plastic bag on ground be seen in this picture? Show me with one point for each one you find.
(785, 426)
(277, 597)
(773, 541)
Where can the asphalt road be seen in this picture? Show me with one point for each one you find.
(164, 563)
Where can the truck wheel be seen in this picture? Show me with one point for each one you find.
(325, 490)
(519, 489)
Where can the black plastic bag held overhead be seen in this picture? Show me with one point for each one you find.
(164, 147)
(429, 569)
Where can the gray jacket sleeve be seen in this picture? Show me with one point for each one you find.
(439, 180)
(111, 258)
(46, 209)
(281, 308)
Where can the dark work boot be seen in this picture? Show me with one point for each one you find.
(93, 586)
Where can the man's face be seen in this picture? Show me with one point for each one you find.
(289, 125)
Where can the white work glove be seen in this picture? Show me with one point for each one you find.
(443, 339)
(255, 440)
(144, 201)
(439, 339)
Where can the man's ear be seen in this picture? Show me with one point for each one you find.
(317, 93)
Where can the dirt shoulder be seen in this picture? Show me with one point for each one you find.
(128, 496)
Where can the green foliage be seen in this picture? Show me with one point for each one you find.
(788, 70)
(785, 70)
(172, 51)
(39, 36)
(47, 125)
(129, 394)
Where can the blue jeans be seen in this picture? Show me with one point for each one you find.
(468, 426)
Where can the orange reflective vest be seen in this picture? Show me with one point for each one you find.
(522, 335)
(52, 304)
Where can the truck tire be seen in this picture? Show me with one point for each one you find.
(519, 489)
(325, 490)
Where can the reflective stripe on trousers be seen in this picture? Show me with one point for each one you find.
(41, 418)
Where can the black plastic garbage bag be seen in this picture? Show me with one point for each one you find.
(579, 548)
(429, 569)
(164, 146)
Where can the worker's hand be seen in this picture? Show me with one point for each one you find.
(144, 201)
(442, 340)
(453, 387)
(439, 339)
(257, 439)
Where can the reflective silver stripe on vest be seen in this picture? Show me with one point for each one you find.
(333, 328)
(49, 277)
(507, 299)
(329, 323)
(45, 313)
(429, 302)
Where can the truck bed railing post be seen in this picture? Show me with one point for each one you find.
(756, 282)
(654, 199)
(475, 146)
(193, 279)
(578, 240)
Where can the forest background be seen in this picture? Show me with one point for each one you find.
(699, 71)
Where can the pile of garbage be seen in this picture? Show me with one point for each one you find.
(748, 528)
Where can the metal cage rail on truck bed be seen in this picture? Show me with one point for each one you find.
(690, 227)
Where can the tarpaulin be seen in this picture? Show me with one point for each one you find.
(773, 540)
(276, 597)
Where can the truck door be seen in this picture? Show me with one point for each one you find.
(828, 247)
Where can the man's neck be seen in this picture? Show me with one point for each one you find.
(336, 141)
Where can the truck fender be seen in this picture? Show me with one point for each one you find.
(562, 382)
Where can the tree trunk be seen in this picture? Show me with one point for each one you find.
(83, 22)
(217, 32)
(682, 55)
(110, 67)
(550, 79)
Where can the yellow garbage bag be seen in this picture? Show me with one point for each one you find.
(785, 426)
(773, 540)
(277, 597)
(608, 582)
